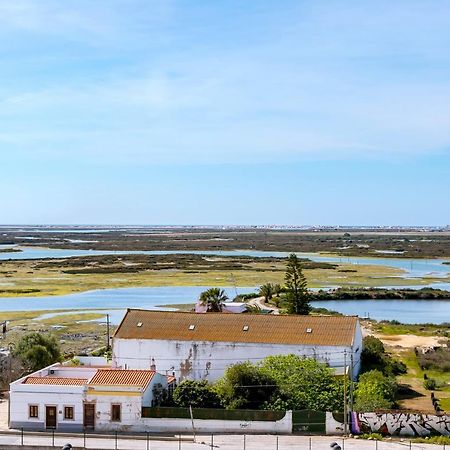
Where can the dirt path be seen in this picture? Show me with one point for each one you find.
(259, 302)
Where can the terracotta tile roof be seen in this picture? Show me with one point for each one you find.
(258, 328)
(122, 377)
(170, 379)
(60, 381)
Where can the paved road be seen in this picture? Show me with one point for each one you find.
(223, 442)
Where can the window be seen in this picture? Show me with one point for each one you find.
(68, 413)
(33, 411)
(115, 413)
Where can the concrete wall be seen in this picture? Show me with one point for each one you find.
(401, 424)
(208, 360)
(156, 425)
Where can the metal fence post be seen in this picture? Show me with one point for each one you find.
(53, 437)
(179, 441)
(376, 444)
(310, 443)
(277, 441)
(343, 444)
(244, 441)
(84, 438)
(212, 440)
(116, 441)
(21, 436)
(148, 442)
(410, 445)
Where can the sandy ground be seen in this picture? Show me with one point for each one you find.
(408, 340)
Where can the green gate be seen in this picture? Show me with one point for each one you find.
(308, 421)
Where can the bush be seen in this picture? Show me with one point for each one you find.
(430, 384)
(375, 391)
(198, 394)
(438, 359)
(374, 357)
(38, 350)
(245, 386)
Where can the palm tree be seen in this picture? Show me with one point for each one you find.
(266, 291)
(277, 289)
(213, 299)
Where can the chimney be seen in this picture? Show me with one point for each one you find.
(153, 365)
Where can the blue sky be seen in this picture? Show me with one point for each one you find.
(225, 112)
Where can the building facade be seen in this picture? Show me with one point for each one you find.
(70, 398)
(202, 346)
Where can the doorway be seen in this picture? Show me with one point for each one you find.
(89, 416)
(50, 417)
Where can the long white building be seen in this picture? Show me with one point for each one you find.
(202, 346)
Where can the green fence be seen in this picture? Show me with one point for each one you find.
(213, 414)
(308, 421)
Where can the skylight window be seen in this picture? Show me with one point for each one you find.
(192, 327)
(309, 330)
(245, 328)
(139, 324)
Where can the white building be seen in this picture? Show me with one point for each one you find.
(73, 398)
(201, 346)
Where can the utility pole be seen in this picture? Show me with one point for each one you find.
(345, 394)
(107, 333)
(351, 381)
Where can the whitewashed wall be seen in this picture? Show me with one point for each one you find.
(131, 400)
(45, 395)
(208, 360)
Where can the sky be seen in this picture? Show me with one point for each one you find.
(225, 112)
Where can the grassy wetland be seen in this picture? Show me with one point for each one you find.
(398, 243)
(64, 276)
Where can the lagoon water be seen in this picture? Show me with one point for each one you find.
(115, 301)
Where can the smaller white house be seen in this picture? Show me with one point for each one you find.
(73, 398)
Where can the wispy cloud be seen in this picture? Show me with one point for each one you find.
(347, 84)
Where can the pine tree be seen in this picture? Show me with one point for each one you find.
(296, 287)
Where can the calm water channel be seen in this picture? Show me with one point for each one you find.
(115, 301)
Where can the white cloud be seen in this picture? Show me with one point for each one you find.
(309, 92)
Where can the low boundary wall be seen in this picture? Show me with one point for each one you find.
(401, 424)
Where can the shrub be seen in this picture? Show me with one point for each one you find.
(375, 391)
(198, 394)
(430, 384)
(374, 357)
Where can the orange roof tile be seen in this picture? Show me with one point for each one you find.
(256, 328)
(122, 377)
(60, 381)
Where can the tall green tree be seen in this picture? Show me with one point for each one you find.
(297, 295)
(213, 299)
(38, 350)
